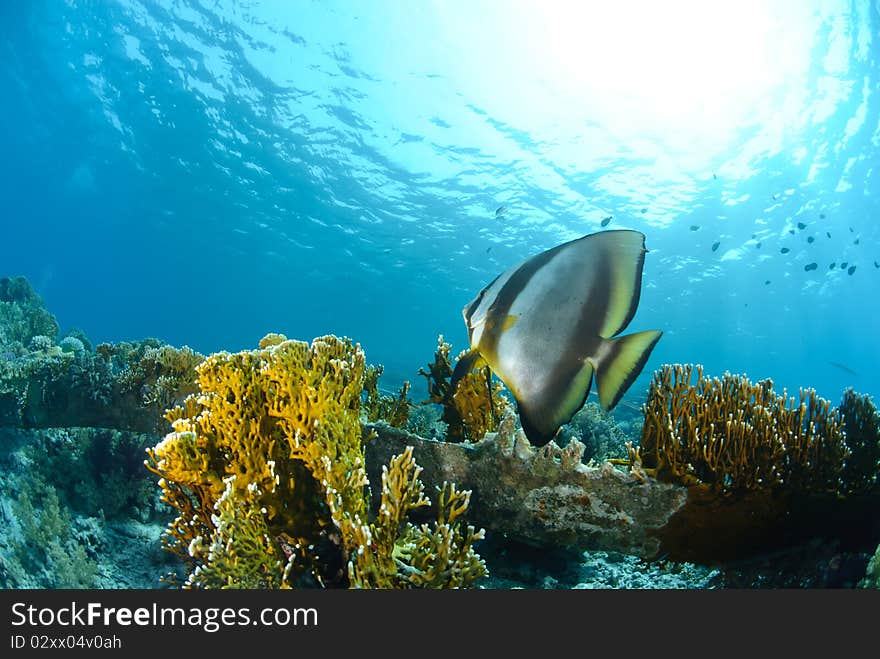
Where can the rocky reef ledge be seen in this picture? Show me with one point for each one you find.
(546, 496)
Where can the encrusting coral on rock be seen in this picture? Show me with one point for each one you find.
(265, 466)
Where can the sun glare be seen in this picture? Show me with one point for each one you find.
(683, 74)
(677, 69)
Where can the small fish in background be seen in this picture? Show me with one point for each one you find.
(810, 239)
(843, 367)
(821, 216)
(851, 269)
(606, 220)
(714, 177)
(856, 241)
(501, 211)
(784, 250)
(488, 249)
(758, 245)
(843, 265)
(828, 233)
(715, 246)
(851, 230)
(876, 265)
(774, 197)
(644, 210)
(832, 266)
(695, 227)
(387, 250)
(791, 231)
(801, 226)
(810, 266)
(766, 282)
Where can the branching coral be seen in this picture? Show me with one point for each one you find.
(762, 470)
(409, 556)
(394, 410)
(470, 409)
(265, 467)
(738, 436)
(861, 473)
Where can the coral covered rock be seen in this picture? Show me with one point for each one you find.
(547, 496)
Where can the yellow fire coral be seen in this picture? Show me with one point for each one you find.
(417, 557)
(762, 470)
(265, 467)
(861, 419)
(736, 435)
(470, 409)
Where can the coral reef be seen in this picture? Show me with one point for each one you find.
(265, 467)
(99, 471)
(473, 406)
(124, 386)
(79, 510)
(726, 470)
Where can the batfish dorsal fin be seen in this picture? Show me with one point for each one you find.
(625, 258)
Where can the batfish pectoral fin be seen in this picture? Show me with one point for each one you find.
(541, 417)
(468, 362)
(620, 362)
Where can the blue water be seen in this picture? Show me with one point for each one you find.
(208, 172)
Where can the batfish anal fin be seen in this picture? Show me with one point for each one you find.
(620, 362)
(541, 418)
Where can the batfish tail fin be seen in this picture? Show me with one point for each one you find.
(621, 361)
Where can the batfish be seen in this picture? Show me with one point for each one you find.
(546, 327)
